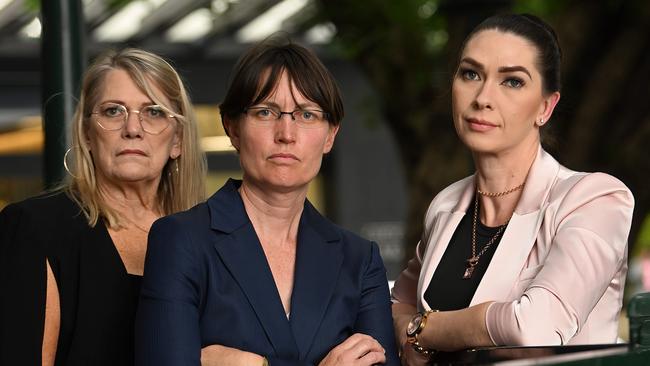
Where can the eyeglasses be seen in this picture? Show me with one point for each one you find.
(305, 118)
(153, 118)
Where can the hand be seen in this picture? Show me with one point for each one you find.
(215, 354)
(411, 357)
(358, 350)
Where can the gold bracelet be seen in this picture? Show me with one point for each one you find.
(419, 349)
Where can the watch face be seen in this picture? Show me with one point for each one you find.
(414, 324)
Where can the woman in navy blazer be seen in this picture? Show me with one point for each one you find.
(256, 276)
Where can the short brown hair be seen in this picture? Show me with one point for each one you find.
(269, 59)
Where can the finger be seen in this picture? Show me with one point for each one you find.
(352, 340)
(372, 358)
(364, 347)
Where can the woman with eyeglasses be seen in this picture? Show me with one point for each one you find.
(256, 276)
(71, 260)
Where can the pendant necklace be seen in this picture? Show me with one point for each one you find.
(472, 261)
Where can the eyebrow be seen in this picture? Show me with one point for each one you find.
(121, 102)
(502, 69)
(299, 106)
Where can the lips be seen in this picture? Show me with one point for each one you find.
(284, 156)
(477, 124)
(132, 152)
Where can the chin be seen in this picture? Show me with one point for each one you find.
(480, 144)
(285, 183)
(133, 175)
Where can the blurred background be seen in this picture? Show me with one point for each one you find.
(393, 61)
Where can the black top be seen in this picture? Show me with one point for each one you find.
(98, 299)
(448, 289)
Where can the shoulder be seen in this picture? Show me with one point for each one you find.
(182, 229)
(196, 216)
(48, 202)
(447, 199)
(573, 189)
(352, 244)
(48, 211)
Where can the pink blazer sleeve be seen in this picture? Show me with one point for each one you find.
(588, 231)
(406, 286)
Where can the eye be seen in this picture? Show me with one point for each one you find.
(469, 74)
(113, 110)
(307, 115)
(265, 113)
(154, 112)
(514, 83)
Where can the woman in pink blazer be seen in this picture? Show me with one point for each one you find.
(525, 251)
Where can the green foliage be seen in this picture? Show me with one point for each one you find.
(541, 8)
(33, 5)
(643, 241)
(116, 4)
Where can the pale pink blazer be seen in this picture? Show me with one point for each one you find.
(558, 274)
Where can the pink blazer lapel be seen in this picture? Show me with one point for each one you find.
(445, 226)
(448, 223)
(517, 242)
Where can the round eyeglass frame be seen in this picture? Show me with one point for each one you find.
(127, 112)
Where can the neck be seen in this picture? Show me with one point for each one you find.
(498, 173)
(136, 203)
(273, 214)
(501, 171)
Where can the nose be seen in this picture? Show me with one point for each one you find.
(133, 125)
(483, 98)
(285, 129)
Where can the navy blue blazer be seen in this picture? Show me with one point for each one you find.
(207, 281)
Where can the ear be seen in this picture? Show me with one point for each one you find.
(232, 130)
(331, 136)
(177, 144)
(548, 106)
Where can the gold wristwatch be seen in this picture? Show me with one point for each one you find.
(415, 327)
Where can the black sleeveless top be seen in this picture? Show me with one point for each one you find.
(98, 298)
(448, 290)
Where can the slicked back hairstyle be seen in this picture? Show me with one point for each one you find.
(177, 191)
(257, 73)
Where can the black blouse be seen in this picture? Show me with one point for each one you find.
(448, 290)
(98, 298)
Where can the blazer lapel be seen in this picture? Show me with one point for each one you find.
(318, 263)
(240, 250)
(437, 244)
(445, 226)
(520, 235)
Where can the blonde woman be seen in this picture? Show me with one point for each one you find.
(71, 260)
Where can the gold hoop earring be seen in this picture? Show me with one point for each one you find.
(65, 162)
(176, 165)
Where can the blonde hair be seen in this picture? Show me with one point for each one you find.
(182, 183)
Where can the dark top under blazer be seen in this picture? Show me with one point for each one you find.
(98, 298)
(207, 281)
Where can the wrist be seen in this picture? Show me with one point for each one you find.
(414, 331)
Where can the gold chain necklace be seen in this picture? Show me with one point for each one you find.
(499, 194)
(473, 260)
